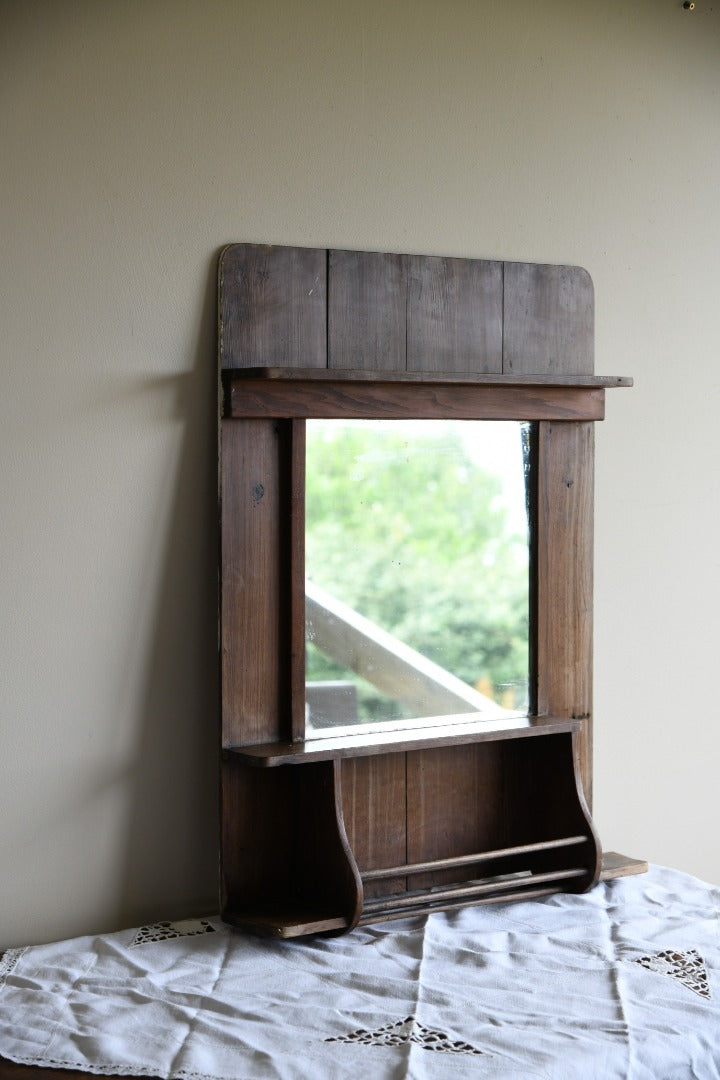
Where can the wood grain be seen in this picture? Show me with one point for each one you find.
(548, 319)
(454, 314)
(564, 634)
(462, 377)
(272, 306)
(252, 638)
(286, 858)
(400, 400)
(456, 806)
(374, 796)
(460, 733)
(615, 865)
(367, 319)
(382, 335)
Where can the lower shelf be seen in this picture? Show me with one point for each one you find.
(615, 865)
(320, 844)
(288, 924)
(501, 889)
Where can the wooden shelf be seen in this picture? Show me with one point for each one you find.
(500, 848)
(287, 924)
(271, 755)
(615, 865)
(450, 378)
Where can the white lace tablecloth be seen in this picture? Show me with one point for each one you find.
(623, 982)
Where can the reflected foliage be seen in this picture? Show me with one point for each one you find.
(414, 534)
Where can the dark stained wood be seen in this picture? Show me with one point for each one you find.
(426, 906)
(518, 801)
(272, 306)
(440, 896)
(257, 838)
(476, 858)
(548, 319)
(455, 806)
(422, 378)
(328, 868)
(286, 858)
(454, 314)
(399, 400)
(564, 631)
(251, 582)
(367, 301)
(430, 818)
(545, 800)
(345, 747)
(374, 797)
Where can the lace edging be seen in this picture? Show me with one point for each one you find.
(8, 960)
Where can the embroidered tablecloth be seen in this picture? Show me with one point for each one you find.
(622, 982)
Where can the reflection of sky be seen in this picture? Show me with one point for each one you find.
(495, 445)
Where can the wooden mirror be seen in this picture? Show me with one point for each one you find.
(320, 834)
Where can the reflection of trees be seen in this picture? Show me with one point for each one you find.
(412, 536)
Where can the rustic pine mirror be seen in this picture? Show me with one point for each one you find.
(366, 773)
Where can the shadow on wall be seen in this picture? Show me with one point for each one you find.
(170, 867)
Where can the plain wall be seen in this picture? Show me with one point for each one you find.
(137, 138)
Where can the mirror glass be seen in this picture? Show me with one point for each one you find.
(417, 573)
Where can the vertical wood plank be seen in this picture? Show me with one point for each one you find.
(283, 844)
(548, 320)
(256, 837)
(367, 301)
(373, 798)
(565, 578)
(251, 587)
(456, 806)
(325, 870)
(544, 803)
(272, 306)
(455, 310)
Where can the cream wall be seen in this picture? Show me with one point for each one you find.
(139, 137)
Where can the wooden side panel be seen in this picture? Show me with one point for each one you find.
(367, 300)
(272, 306)
(549, 318)
(544, 802)
(256, 849)
(565, 578)
(373, 798)
(251, 596)
(455, 311)
(285, 857)
(456, 806)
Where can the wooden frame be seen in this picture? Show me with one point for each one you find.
(321, 836)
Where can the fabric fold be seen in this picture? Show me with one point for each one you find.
(622, 983)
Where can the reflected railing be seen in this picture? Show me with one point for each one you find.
(419, 686)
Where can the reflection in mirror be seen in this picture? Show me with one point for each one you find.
(417, 573)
